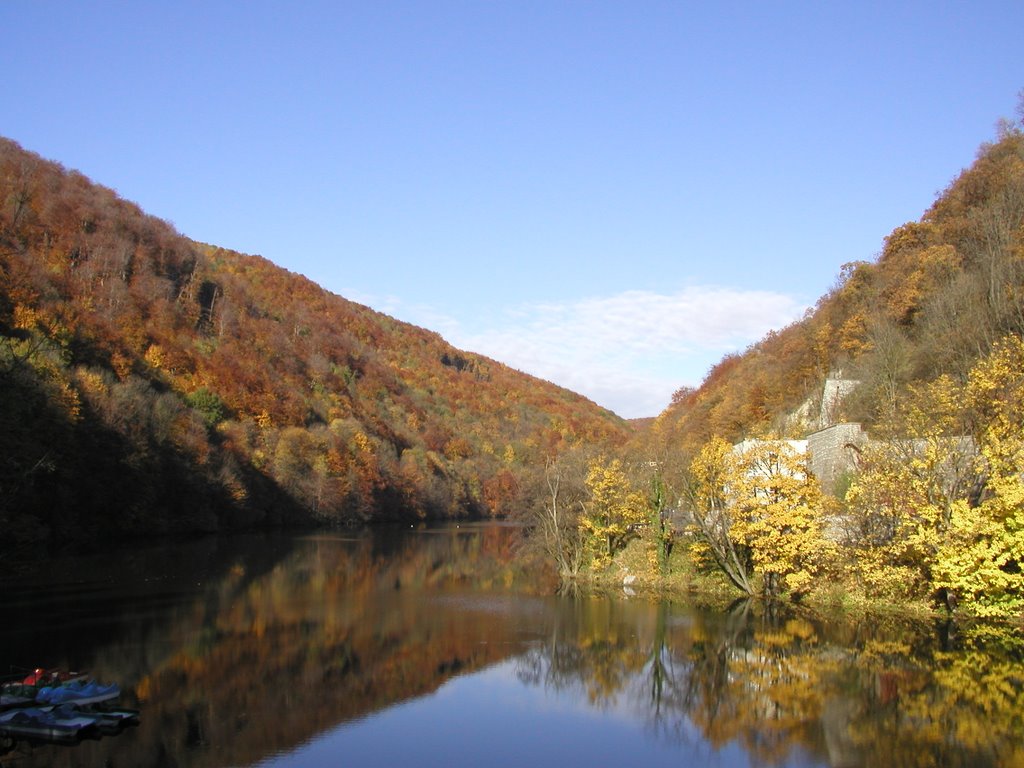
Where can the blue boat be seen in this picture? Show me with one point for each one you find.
(77, 692)
(50, 688)
(40, 724)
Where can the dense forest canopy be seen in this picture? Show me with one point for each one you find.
(151, 384)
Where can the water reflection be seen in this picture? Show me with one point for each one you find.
(378, 648)
(790, 689)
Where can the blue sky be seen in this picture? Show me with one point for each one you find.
(607, 195)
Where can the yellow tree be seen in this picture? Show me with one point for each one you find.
(981, 559)
(779, 517)
(892, 528)
(712, 471)
(614, 512)
(936, 513)
(912, 494)
(758, 512)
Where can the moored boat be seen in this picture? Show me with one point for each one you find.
(77, 692)
(55, 706)
(53, 687)
(108, 719)
(12, 700)
(37, 723)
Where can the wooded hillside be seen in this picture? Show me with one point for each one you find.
(924, 347)
(942, 292)
(151, 384)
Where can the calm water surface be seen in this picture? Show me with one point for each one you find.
(429, 647)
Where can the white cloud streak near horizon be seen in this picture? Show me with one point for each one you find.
(627, 352)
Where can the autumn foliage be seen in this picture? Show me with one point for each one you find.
(149, 383)
(942, 292)
(931, 334)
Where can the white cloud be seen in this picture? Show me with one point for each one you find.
(627, 352)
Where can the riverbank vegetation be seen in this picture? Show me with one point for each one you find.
(929, 519)
(930, 340)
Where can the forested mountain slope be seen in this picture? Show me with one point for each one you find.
(942, 292)
(152, 384)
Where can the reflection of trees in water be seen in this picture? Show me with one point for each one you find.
(782, 684)
(961, 705)
(261, 660)
(692, 677)
(282, 643)
(588, 650)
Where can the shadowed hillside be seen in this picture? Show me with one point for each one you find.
(152, 384)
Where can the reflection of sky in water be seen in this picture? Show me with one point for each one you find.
(493, 719)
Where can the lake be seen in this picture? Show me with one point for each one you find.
(431, 647)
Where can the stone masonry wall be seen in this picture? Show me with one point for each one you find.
(831, 454)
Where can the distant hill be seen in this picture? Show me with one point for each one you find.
(152, 384)
(943, 290)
